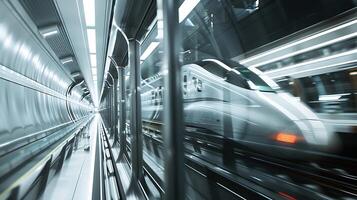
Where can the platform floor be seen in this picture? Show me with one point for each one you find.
(75, 180)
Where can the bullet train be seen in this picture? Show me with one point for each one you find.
(239, 103)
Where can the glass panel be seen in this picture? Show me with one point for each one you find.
(269, 90)
(269, 98)
(152, 102)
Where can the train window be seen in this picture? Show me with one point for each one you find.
(152, 95)
(213, 68)
(259, 83)
(199, 85)
(184, 84)
(236, 79)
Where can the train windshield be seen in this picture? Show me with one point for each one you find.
(255, 81)
(238, 75)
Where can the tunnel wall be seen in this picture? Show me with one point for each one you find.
(33, 86)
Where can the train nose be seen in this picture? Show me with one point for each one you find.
(314, 132)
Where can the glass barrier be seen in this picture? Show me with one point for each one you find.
(269, 98)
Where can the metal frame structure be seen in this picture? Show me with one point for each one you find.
(135, 108)
(167, 13)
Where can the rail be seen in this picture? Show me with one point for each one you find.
(330, 176)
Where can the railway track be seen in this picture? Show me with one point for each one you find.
(329, 177)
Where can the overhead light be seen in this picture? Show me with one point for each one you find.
(298, 66)
(186, 7)
(49, 31)
(91, 40)
(80, 83)
(66, 60)
(252, 58)
(149, 50)
(89, 12)
(93, 60)
(75, 74)
(310, 48)
(353, 73)
(331, 97)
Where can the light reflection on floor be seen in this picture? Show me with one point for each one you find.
(75, 179)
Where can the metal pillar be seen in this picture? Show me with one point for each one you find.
(108, 110)
(135, 121)
(115, 110)
(173, 111)
(122, 109)
(111, 111)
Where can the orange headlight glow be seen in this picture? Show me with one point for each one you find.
(286, 137)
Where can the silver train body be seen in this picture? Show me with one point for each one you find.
(33, 85)
(241, 104)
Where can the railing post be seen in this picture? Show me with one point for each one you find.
(173, 110)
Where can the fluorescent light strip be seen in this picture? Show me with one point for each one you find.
(50, 33)
(91, 40)
(353, 73)
(244, 61)
(345, 37)
(149, 50)
(314, 61)
(66, 60)
(89, 12)
(315, 69)
(331, 97)
(186, 8)
(93, 60)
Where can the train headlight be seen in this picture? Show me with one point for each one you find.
(285, 137)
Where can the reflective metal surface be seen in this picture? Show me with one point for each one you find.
(33, 84)
(39, 107)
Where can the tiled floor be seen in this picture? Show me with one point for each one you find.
(75, 179)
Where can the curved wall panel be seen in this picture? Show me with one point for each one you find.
(33, 86)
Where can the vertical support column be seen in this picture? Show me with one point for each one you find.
(135, 121)
(110, 110)
(107, 111)
(115, 110)
(173, 109)
(122, 109)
